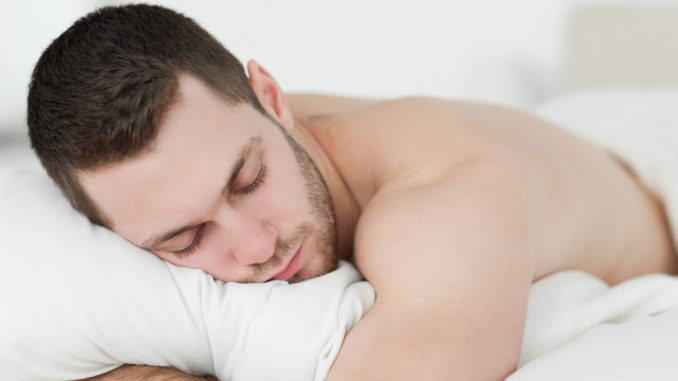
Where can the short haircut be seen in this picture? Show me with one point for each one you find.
(99, 91)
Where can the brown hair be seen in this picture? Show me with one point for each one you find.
(99, 91)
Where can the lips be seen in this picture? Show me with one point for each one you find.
(292, 267)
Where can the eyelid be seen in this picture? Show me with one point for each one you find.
(195, 243)
(256, 182)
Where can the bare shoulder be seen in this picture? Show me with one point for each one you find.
(446, 240)
(416, 137)
(451, 262)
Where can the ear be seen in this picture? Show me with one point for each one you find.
(269, 93)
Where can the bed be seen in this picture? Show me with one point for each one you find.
(621, 90)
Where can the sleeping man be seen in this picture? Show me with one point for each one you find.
(449, 209)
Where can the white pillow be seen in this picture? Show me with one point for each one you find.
(77, 301)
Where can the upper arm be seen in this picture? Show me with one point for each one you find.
(451, 263)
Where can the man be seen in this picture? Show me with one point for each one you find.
(450, 209)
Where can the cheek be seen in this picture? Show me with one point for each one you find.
(212, 257)
(284, 197)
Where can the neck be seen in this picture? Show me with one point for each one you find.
(346, 208)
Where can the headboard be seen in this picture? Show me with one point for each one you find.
(631, 45)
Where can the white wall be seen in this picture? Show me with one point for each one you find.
(509, 51)
(26, 28)
(392, 47)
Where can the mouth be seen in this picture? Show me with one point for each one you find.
(292, 267)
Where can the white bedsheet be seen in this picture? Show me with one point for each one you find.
(577, 327)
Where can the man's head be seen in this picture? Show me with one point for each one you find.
(152, 128)
(99, 91)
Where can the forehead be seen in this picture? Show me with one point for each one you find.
(197, 143)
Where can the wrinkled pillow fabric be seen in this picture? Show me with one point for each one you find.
(77, 300)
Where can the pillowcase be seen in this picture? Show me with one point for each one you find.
(78, 300)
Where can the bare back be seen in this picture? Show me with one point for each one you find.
(596, 216)
(461, 207)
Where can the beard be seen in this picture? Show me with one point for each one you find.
(325, 258)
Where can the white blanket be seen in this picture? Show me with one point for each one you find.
(577, 327)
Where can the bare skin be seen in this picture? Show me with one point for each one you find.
(516, 199)
(451, 210)
(147, 373)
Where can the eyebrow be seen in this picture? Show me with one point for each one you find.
(245, 151)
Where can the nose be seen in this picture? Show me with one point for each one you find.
(248, 240)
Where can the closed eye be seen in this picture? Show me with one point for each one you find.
(253, 186)
(190, 249)
(258, 181)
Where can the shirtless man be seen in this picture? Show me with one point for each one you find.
(450, 209)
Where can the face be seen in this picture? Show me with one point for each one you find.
(223, 189)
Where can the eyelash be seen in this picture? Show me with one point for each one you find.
(256, 183)
(183, 253)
